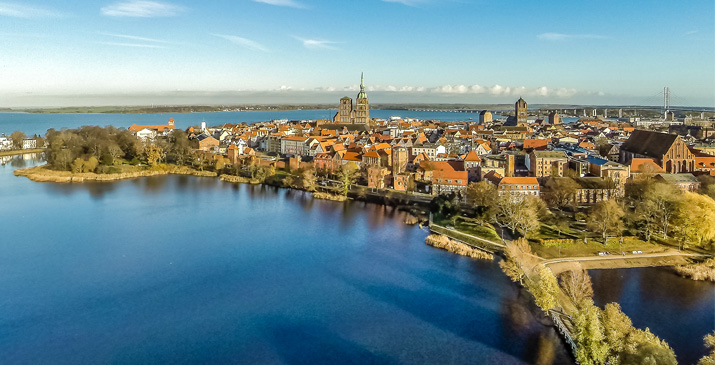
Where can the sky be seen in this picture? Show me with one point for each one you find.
(137, 52)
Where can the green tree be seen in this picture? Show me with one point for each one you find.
(605, 218)
(543, 285)
(694, 219)
(589, 336)
(710, 345)
(347, 176)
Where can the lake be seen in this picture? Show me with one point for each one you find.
(680, 311)
(180, 269)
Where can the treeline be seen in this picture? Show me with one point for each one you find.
(102, 150)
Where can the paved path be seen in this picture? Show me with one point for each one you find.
(621, 257)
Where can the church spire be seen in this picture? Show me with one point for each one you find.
(362, 94)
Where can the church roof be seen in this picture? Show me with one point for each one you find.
(648, 143)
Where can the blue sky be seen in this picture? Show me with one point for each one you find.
(475, 51)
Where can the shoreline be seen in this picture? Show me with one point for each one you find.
(21, 152)
(43, 174)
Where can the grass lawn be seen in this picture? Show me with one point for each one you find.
(486, 231)
(593, 247)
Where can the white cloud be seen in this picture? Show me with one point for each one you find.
(134, 38)
(565, 93)
(555, 37)
(691, 32)
(134, 45)
(25, 11)
(142, 9)
(316, 43)
(243, 42)
(288, 3)
(542, 91)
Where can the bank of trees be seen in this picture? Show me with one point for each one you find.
(96, 149)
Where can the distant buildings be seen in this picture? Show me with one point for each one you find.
(358, 115)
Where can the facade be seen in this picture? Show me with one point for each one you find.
(519, 186)
(669, 151)
(485, 116)
(207, 142)
(399, 160)
(520, 113)
(684, 182)
(446, 178)
(29, 143)
(360, 114)
(546, 163)
(554, 118)
(293, 145)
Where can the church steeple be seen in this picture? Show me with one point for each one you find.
(362, 94)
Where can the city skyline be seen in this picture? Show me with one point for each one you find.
(302, 51)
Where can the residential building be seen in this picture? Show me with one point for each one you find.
(519, 186)
(546, 163)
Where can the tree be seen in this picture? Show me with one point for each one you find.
(645, 218)
(543, 285)
(694, 219)
(664, 198)
(153, 154)
(307, 178)
(519, 260)
(577, 285)
(77, 165)
(481, 194)
(589, 336)
(563, 191)
(17, 137)
(605, 218)
(617, 326)
(520, 213)
(710, 345)
(347, 175)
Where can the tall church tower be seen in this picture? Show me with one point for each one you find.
(520, 113)
(362, 106)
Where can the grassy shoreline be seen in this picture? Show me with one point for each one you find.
(44, 174)
(21, 152)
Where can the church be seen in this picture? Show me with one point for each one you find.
(360, 114)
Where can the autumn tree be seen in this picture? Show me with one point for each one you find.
(153, 154)
(605, 218)
(645, 219)
(577, 285)
(308, 179)
(519, 260)
(17, 137)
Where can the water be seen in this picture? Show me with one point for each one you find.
(678, 310)
(39, 123)
(194, 270)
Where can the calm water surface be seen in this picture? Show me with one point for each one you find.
(194, 270)
(678, 310)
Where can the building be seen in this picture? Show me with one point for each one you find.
(554, 118)
(684, 182)
(294, 145)
(519, 186)
(446, 178)
(360, 114)
(669, 151)
(399, 160)
(29, 143)
(207, 142)
(520, 113)
(162, 129)
(485, 116)
(546, 163)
